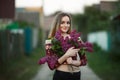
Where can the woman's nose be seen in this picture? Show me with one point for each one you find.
(66, 24)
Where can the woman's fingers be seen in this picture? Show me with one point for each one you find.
(72, 52)
(75, 51)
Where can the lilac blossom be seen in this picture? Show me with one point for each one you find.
(66, 43)
(59, 46)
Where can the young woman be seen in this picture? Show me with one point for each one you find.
(66, 68)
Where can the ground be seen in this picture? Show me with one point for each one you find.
(44, 73)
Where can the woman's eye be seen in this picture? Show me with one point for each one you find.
(62, 22)
(68, 22)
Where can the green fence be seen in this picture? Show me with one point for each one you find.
(11, 45)
(4, 45)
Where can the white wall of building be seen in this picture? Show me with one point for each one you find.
(101, 38)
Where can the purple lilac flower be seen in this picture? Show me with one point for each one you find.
(72, 42)
(89, 49)
(88, 44)
(74, 35)
(58, 35)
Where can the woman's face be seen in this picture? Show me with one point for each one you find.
(65, 24)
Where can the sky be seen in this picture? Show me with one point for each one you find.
(51, 6)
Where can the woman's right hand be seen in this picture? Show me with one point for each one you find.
(71, 52)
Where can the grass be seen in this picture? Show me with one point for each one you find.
(104, 65)
(21, 68)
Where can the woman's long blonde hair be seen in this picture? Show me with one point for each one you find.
(57, 22)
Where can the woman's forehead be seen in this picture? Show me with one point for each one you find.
(65, 18)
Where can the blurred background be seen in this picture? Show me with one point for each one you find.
(25, 24)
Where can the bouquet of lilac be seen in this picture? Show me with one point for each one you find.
(57, 46)
(61, 45)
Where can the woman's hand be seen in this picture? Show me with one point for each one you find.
(71, 52)
(69, 60)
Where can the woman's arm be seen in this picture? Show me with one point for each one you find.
(70, 52)
(62, 59)
(81, 62)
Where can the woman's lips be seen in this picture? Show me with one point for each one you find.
(65, 28)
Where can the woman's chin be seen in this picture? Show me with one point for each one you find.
(64, 31)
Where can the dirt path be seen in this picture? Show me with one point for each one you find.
(44, 73)
(88, 74)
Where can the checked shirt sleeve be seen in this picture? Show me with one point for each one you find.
(51, 58)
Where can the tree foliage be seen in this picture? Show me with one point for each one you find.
(92, 20)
